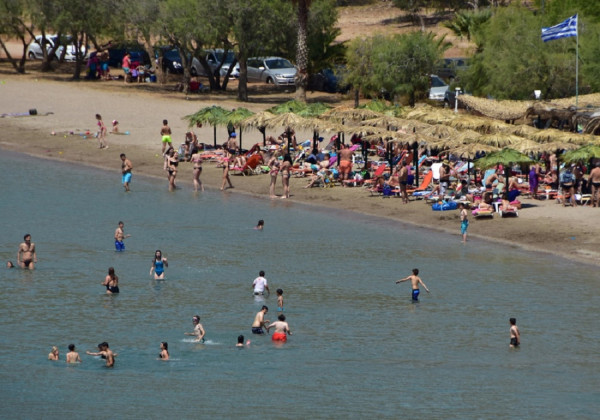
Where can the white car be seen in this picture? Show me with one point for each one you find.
(34, 50)
(272, 70)
(437, 91)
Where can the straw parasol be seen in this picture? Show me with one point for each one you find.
(289, 106)
(524, 131)
(212, 115)
(499, 110)
(470, 150)
(479, 124)
(439, 130)
(235, 118)
(347, 113)
(499, 139)
(430, 115)
(529, 146)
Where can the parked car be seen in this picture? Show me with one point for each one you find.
(449, 68)
(117, 52)
(438, 88)
(171, 61)
(34, 50)
(327, 80)
(272, 70)
(214, 58)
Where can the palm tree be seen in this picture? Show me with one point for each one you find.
(302, 50)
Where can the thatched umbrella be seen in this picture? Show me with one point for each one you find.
(524, 131)
(259, 121)
(212, 115)
(344, 113)
(584, 154)
(290, 120)
(289, 106)
(430, 115)
(467, 136)
(440, 130)
(470, 151)
(500, 110)
(479, 124)
(499, 139)
(236, 117)
(529, 146)
(506, 157)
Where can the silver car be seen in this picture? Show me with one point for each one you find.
(273, 70)
(214, 58)
(34, 50)
(438, 88)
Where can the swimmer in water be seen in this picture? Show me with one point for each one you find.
(199, 332)
(279, 300)
(158, 265)
(240, 342)
(9, 264)
(111, 281)
(72, 355)
(164, 351)
(260, 225)
(53, 355)
(281, 328)
(515, 335)
(119, 236)
(415, 281)
(26, 256)
(105, 353)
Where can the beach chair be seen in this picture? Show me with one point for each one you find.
(421, 190)
(252, 166)
(378, 172)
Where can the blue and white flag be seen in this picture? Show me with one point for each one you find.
(564, 29)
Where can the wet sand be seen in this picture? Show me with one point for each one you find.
(71, 106)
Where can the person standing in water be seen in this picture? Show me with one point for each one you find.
(515, 335)
(260, 284)
(260, 321)
(260, 225)
(464, 221)
(126, 168)
(119, 236)
(111, 282)
(196, 159)
(158, 265)
(279, 300)
(26, 256)
(105, 353)
(53, 355)
(72, 355)
(199, 332)
(164, 351)
(415, 281)
(281, 328)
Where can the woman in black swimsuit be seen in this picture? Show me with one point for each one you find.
(172, 162)
(111, 281)
(164, 351)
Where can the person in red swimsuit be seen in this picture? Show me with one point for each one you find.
(282, 329)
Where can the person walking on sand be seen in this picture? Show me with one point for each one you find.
(273, 172)
(228, 157)
(415, 282)
(126, 65)
(464, 221)
(101, 135)
(158, 265)
(126, 168)
(120, 236)
(260, 321)
(515, 335)
(111, 282)
(26, 256)
(196, 160)
(72, 355)
(286, 173)
(199, 332)
(594, 181)
(165, 133)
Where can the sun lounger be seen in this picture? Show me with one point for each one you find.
(483, 213)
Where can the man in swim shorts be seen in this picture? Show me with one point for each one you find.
(260, 321)
(26, 256)
(415, 281)
(119, 236)
(165, 132)
(126, 168)
(515, 335)
(105, 353)
(260, 284)
(281, 328)
(594, 181)
(345, 167)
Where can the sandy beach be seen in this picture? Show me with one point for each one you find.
(65, 106)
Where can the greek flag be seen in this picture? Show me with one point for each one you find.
(564, 29)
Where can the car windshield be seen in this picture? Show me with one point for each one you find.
(278, 63)
(228, 59)
(437, 82)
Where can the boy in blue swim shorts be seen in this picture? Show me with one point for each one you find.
(415, 282)
(126, 168)
(119, 236)
(464, 221)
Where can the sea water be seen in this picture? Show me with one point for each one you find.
(359, 346)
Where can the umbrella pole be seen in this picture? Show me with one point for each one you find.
(416, 162)
(365, 153)
(337, 149)
(289, 137)
(315, 150)
(215, 135)
(263, 130)
(240, 138)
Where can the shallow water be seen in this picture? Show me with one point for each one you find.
(359, 346)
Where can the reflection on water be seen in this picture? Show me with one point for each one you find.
(360, 347)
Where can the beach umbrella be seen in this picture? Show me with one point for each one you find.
(439, 130)
(479, 124)
(314, 110)
(506, 157)
(211, 115)
(259, 121)
(524, 131)
(289, 106)
(529, 146)
(290, 121)
(345, 113)
(431, 115)
(583, 154)
(498, 139)
(470, 151)
(235, 118)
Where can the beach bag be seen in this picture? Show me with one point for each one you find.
(387, 191)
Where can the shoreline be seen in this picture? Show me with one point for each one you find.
(543, 227)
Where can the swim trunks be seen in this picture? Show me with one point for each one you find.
(415, 295)
(119, 246)
(463, 226)
(345, 166)
(596, 184)
(166, 138)
(113, 289)
(126, 178)
(279, 336)
(279, 309)
(26, 263)
(257, 330)
(513, 342)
